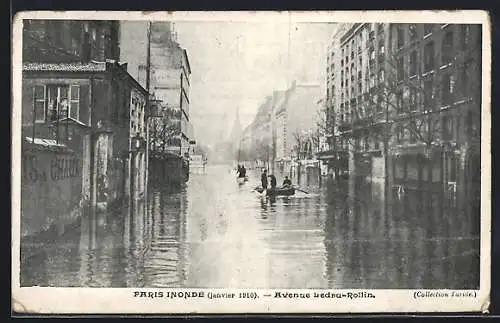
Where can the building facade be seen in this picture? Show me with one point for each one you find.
(161, 65)
(80, 117)
(408, 111)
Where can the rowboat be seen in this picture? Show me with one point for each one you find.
(241, 180)
(278, 191)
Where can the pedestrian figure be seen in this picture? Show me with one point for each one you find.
(243, 171)
(263, 179)
(273, 181)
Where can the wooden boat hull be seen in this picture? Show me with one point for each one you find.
(278, 191)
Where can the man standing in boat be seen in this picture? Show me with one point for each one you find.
(263, 179)
(273, 181)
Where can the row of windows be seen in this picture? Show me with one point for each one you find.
(408, 100)
(54, 102)
(446, 129)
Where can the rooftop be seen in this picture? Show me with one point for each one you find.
(66, 67)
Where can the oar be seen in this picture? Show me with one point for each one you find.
(298, 189)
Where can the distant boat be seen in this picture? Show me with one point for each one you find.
(242, 180)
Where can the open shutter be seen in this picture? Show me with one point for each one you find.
(74, 102)
(84, 103)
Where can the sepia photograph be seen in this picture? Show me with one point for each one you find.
(232, 161)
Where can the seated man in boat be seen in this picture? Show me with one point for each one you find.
(287, 182)
(273, 181)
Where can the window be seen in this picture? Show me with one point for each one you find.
(448, 128)
(452, 168)
(428, 29)
(372, 80)
(372, 54)
(413, 137)
(428, 95)
(74, 106)
(379, 104)
(55, 102)
(39, 103)
(376, 144)
(400, 37)
(412, 29)
(400, 133)
(447, 50)
(413, 99)
(473, 124)
(58, 103)
(464, 36)
(429, 56)
(413, 63)
(381, 76)
(447, 85)
(399, 102)
(367, 143)
(381, 49)
(400, 68)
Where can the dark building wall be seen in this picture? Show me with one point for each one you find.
(69, 40)
(51, 189)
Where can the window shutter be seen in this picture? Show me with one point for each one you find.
(84, 103)
(74, 97)
(39, 108)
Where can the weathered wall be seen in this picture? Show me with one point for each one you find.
(51, 189)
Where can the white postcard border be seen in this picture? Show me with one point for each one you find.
(123, 300)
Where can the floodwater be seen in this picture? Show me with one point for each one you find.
(216, 233)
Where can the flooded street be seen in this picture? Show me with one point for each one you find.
(216, 233)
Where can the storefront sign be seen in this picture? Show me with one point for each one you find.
(54, 168)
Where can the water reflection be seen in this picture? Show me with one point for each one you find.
(215, 233)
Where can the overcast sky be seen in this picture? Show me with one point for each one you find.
(240, 63)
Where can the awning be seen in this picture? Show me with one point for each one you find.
(70, 120)
(44, 142)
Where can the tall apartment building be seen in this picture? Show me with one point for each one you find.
(159, 63)
(438, 73)
(407, 111)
